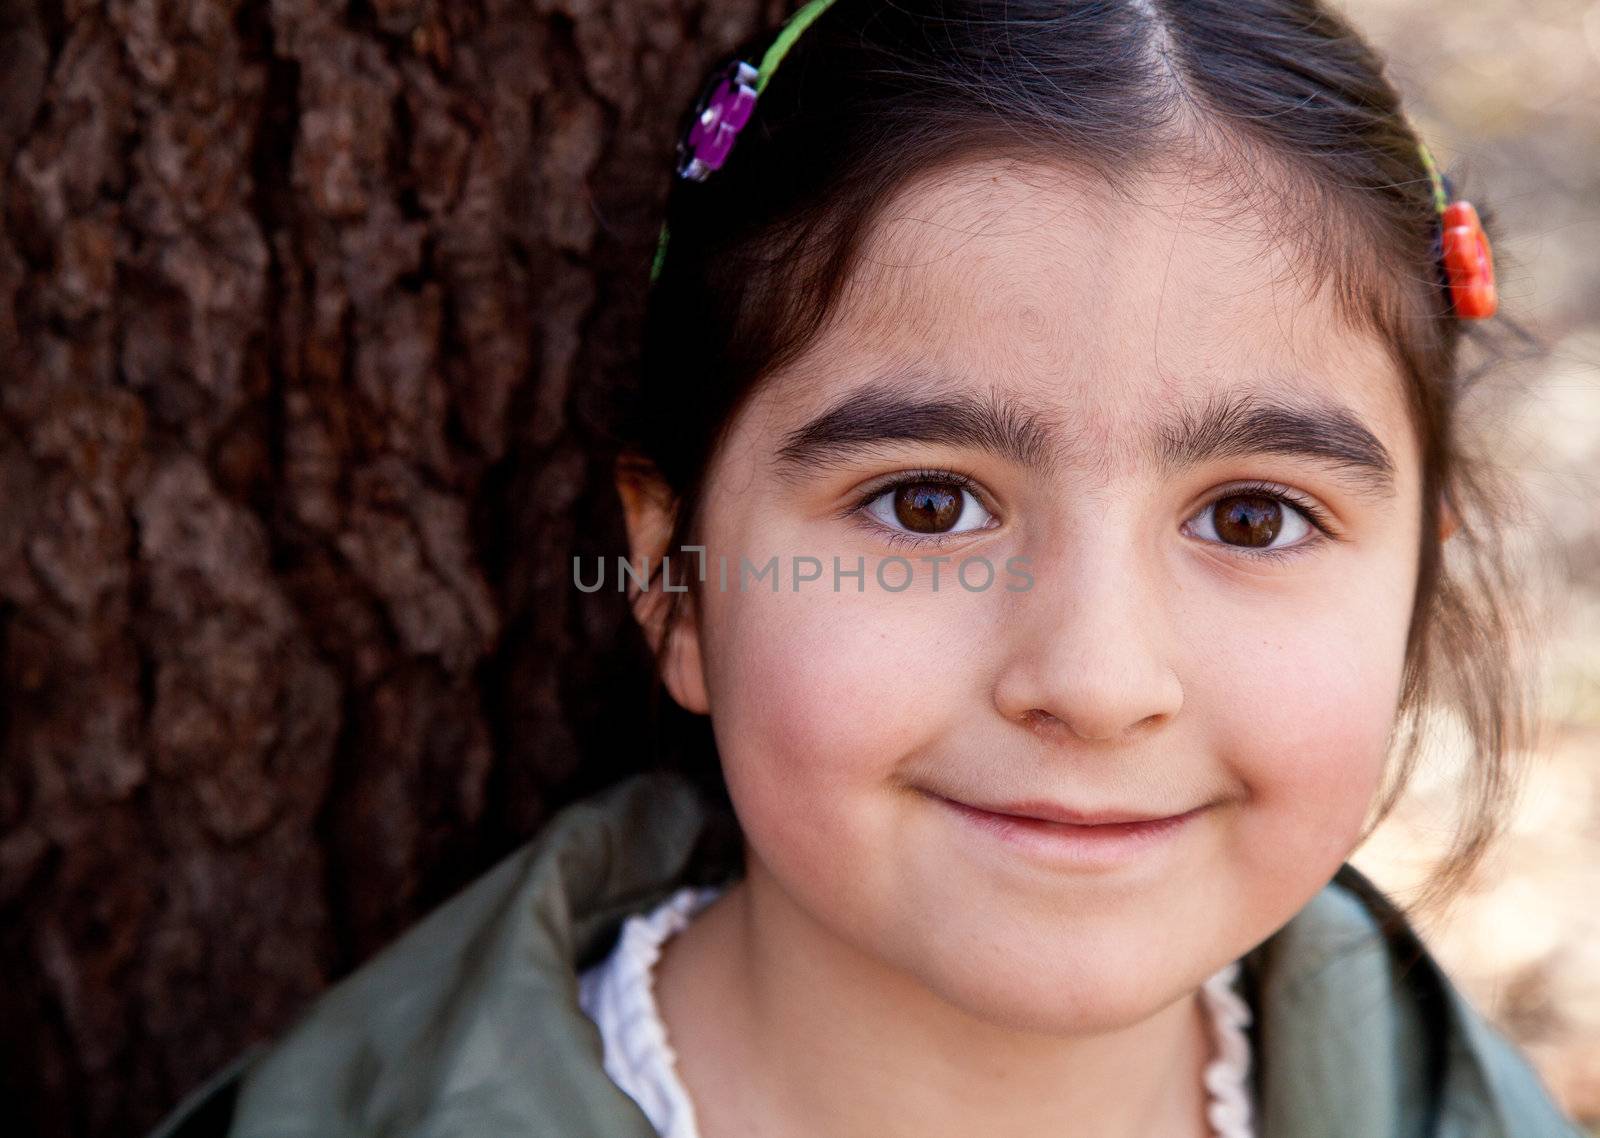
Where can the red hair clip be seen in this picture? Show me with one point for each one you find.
(1468, 262)
(1464, 250)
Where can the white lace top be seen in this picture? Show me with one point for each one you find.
(618, 994)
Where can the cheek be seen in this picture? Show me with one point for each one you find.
(833, 677)
(818, 698)
(1301, 714)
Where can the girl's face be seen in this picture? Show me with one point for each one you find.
(1093, 387)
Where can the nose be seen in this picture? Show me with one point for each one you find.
(1088, 649)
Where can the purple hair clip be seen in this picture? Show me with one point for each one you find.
(721, 112)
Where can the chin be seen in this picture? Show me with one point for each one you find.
(1069, 1000)
(1060, 1015)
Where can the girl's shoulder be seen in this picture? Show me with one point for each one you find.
(470, 1020)
(472, 1023)
(1360, 1031)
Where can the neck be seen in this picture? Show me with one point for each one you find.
(820, 1038)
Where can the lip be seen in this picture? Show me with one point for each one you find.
(1046, 811)
(1117, 839)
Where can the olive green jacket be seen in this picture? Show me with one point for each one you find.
(469, 1025)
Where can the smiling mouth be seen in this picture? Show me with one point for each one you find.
(1044, 810)
(1112, 838)
(1040, 810)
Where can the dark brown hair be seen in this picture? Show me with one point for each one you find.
(1280, 100)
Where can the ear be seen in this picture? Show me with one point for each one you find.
(1449, 520)
(649, 509)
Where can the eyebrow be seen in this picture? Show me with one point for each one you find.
(1230, 425)
(1245, 423)
(895, 413)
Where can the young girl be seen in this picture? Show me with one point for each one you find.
(1048, 417)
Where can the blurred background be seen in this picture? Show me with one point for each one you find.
(307, 309)
(1508, 96)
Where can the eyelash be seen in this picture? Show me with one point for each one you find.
(1315, 515)
(900, 540)
(1322, 526)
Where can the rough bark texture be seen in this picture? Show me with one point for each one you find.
(306, 312)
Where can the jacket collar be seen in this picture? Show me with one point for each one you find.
(470, 1023)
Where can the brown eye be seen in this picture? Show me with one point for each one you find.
(928, 507)
(1257, 521)
(1247, 519)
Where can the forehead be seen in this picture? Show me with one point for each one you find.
(1109, 306)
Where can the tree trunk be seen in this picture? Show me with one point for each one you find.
(307, 313)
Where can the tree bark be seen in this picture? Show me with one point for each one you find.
(309, 313)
